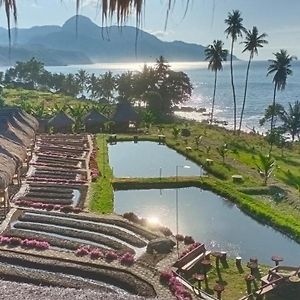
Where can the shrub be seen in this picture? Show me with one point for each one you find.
(188, 240)
(165, 231)
(111, 255)
(15, 241)
(127, 259)
(77, 210)
(82, 251)
(4, 240)
(66, 209)
(165, 277)
(95, 254)
(179, 237)
(132, 217)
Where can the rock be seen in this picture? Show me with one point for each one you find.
(160, 245)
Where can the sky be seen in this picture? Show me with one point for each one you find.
(203, 22)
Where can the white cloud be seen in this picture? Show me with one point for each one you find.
(89, 3)
(160, 33)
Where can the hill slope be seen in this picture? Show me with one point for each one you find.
(61, 45)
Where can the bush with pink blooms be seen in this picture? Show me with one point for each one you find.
(111, 255)
(127, 259)
(178, 290)
(26, 243)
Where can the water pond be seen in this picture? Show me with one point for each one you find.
(212, 220)
(149, 159)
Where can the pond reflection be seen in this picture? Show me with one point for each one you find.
(212, 220)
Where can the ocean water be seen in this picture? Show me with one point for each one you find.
(260, 87)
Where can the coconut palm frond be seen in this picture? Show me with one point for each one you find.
(10, 9)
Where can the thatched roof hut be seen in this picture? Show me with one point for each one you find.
(61, 123)
(125, 115)
(21, 116)
(12, 133)
(24, 127)
(7, 170)
(94, 121)
(12, 149)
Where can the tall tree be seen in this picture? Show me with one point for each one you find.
(291, 120)
(234, 30)
(281, 68)
(82, 78)
(252, 42)
(108, 84)
(216, 55)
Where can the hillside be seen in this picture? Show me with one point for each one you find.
(56, 45)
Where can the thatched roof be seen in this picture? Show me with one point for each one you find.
(7, 130)
(61, 120)
(94, 118)
(125, 113)
(12, 149)
(24, 127)
(7, 170)
(21, 116)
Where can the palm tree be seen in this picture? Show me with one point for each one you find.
(291, 120)
(265, 167)
(252, 42)
(234, 30)
(82, 78)
(281, 66)
(216, 55)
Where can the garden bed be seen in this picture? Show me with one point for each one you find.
(112, 221)
(34, 265)
(73, 233)
(109, 231)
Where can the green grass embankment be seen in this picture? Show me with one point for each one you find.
(102, 191)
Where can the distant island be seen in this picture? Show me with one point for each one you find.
(59, 45)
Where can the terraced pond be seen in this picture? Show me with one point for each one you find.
(149, 159)
(212, 220)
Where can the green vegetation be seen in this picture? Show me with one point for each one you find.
(232, 278)
(101, 197)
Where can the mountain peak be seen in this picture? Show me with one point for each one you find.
(84, 23)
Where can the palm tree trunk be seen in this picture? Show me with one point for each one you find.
(272, 118)
(233, 89)
(214, 97)
(273, 107)
(245, 93)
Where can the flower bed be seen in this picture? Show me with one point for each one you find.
(55, 181)
(126, 259)
(14, 241)
(48, 207)
(26, 201)
(117, 222)
(73, 233)
(178, 290)
(97, 228)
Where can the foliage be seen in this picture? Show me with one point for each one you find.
(222, 151)
(175, 132)
(266, 167)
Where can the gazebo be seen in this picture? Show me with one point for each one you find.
(125, 117)
(61, 123)
(94, 121)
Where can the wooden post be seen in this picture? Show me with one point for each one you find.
(238, 261)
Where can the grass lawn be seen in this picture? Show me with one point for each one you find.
(232, 278)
